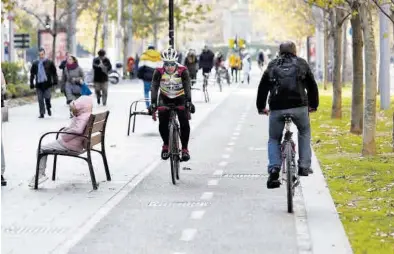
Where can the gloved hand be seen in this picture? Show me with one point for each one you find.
(263, 111)
(190, 106)
(312, 109)
(31, 86)
(152, 108)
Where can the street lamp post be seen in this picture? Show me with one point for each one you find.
(171, 22)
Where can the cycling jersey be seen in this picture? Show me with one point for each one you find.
(171, 86)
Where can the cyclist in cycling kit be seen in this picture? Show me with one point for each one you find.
(173, 80)
(206, 60)
(292, 88)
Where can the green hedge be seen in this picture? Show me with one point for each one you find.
(16, 91)
(14, 73)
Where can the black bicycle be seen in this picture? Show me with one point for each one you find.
(205, 87)
(174, 138)
(289, 174)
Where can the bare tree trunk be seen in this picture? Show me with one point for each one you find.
(369, 129)
(336, 112)
(125, 38)
(393, 133)
(69, 25)
(96, 31)
(344, 55)
(54, 31)
(356, 125)
(326, 47)
(155, 34)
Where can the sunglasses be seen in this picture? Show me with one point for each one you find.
(170, 64)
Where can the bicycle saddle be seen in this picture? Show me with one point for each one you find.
(288, 117)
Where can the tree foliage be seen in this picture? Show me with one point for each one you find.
(281, 22)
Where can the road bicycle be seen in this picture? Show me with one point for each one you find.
(174, 138)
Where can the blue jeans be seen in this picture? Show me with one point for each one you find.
(146, 92)
(276, 125)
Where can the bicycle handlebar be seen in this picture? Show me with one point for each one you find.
(166, 108)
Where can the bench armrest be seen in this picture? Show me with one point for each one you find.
(57, 135)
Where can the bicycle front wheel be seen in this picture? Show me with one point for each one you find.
(174, 158)
(289, 178)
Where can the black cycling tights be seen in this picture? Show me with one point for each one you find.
(164, 119)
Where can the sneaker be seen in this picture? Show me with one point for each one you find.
(165, 153)
(41, 178)
(185, 155)
(41, 116)
(49, 112)
(304, 171)
(273, 179)
(3, 181)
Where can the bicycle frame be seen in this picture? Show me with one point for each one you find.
(288, 138)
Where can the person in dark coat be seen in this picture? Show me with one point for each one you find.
(206, 60)
(191, 64)
(101, 67)
(43, 72)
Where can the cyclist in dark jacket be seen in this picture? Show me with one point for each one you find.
(206, 60)
(296, 93)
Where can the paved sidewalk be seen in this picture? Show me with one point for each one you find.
(38, 221)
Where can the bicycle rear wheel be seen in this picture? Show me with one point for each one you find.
(289, 177)
(174, 158)
(205, 89)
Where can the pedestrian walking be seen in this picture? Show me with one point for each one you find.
(150, 60)
(73, 78)
(101, 67)
(43, 76)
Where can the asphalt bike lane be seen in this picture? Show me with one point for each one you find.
(221, 206)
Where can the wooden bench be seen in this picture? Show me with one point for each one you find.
(134, 113)
(94, 134)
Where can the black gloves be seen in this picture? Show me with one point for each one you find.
(190, 106)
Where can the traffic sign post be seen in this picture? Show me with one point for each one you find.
(22, 41)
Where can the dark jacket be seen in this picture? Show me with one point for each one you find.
(50, 70)
(101, 74)
(63, 65)
(305, 94)
(191, 64)
(206, 59)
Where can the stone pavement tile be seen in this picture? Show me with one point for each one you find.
(44, 218)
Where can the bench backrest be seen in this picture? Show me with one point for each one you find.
(95, 129)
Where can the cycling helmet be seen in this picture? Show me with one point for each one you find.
(169, 55)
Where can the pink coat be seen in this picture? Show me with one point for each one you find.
(78, 124)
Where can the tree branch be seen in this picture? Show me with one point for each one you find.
(147, 7)
(36, 16)
(381, 9)
(344, 19)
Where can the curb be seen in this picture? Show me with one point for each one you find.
(326, 231)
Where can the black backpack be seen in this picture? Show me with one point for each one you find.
(285, 76)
